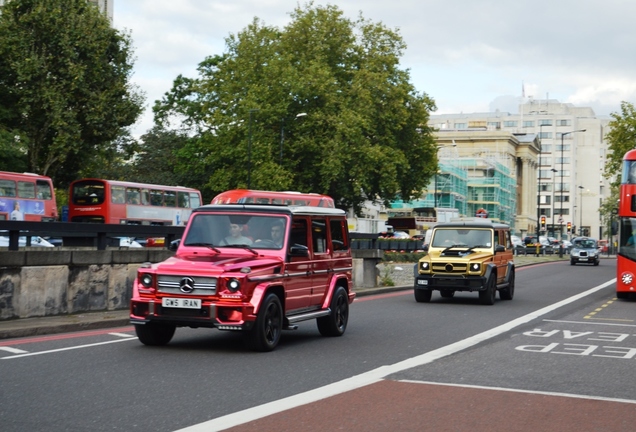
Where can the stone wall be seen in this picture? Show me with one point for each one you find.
(43, 283)
(39, 283)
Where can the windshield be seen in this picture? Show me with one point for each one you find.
(444, 238)
(585, 244)
(236, 230)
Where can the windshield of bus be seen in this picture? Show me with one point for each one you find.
(88, 192)
(235, 230)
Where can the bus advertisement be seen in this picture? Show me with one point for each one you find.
(27, 197)
(121, 202)
(626, 255)
(247, 196)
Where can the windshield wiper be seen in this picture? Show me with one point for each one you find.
(207, 245)
(242, 246)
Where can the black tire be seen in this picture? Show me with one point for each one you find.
(572, 262)
(447, 293)
(265, 334)
(335, 323)
(155, 334)
(423, 296)
(487, 296)
(597, 262)
(509, 292)
(622, 295)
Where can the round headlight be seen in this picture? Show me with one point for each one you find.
(425, 265)
(233, 285)
(146, 280)
(475, 267)
(627, 278)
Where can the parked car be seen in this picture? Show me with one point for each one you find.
(547, 248)
(584, 251)
(517, 244)
(36, 241)
(567, 246)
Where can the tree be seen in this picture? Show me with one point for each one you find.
(64, 86)
(621, 138)
(364, 135)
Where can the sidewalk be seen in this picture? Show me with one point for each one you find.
(119, 318)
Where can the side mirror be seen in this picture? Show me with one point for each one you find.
(174, 245)
(500, 248)
(299, 251)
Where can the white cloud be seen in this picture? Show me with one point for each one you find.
(463, 53)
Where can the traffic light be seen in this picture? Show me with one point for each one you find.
(569, 227)
(542, 223)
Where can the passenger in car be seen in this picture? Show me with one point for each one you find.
(236, 237)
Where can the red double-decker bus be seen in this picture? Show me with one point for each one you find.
(247, 196)
(27, 196)
(120, 202)
(626, 256)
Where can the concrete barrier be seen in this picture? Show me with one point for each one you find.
(37, 283)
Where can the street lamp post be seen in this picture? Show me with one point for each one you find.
(539, 184)
(282, 133)
(553, 176)
(581, 210)
(561, 211)
(249, 150)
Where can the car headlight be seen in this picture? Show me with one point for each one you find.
(233, 285)
(425, 265)
(627, 278)
(475, 267)
(146, 280)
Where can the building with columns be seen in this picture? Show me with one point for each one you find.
(564, 181)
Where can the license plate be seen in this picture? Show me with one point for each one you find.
(422, 282)
(182, 303)
(582, 259)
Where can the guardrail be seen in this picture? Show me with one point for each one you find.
(84, 234)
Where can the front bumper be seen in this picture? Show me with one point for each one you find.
(231, 316)
(583, 259)
(441, 282)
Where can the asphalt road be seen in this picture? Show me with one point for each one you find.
(452, 363)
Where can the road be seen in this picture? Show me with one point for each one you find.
(538, 344)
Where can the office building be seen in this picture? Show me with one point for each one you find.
(569, 186)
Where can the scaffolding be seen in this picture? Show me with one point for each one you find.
(469, 184)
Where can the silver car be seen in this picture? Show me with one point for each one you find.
(584, 250)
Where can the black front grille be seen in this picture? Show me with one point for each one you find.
(186, 313)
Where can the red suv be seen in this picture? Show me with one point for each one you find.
(254, 269)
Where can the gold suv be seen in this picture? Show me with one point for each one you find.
(467, 255)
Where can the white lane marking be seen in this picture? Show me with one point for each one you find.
(590, 323)
(568, 395)
(12, 350)
(67, 348)
(124, 335)
(376, 375)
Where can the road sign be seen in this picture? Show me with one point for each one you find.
(560, 219)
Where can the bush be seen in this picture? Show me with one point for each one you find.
(407, 257)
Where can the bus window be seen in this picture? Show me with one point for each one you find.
(170, 198)
(262, 200)
(156, 197)
(43, 190)
(118, 194)
(145, 196)
(277, 201)
(7, 188)
(194, 200)
(133, 196)
(183, 199)
(26, 189)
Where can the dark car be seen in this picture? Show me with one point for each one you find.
(584, 251)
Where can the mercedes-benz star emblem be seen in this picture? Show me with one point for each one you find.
(186, 285)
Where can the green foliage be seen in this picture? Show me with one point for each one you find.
(407, 257)
(621, 138)
(64, 84)
(364, 134)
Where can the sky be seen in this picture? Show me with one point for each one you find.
(468, 55)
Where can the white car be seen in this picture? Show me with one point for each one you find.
(36, 241)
